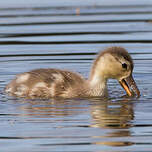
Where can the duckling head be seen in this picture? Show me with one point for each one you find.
(115, 63)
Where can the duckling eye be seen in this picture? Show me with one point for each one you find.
(124, 65)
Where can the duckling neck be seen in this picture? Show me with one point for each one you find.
(98, 85)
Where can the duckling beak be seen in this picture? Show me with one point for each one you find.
(130, 86)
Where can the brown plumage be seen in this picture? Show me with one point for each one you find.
(48, 83)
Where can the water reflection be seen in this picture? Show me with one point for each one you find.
(116, 116)
(105, 113)
(50, 108)
(112, 115)
(103, 122)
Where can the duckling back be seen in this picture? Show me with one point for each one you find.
(47, 83)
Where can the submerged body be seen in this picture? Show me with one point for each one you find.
(114, 62)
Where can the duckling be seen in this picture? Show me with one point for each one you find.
(113, 62)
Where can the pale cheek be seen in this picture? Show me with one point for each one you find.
(114, 73)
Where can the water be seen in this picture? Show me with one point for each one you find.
(68, 38)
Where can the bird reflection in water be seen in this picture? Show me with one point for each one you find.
(112, 114)
(116, 116)
(51, 109)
